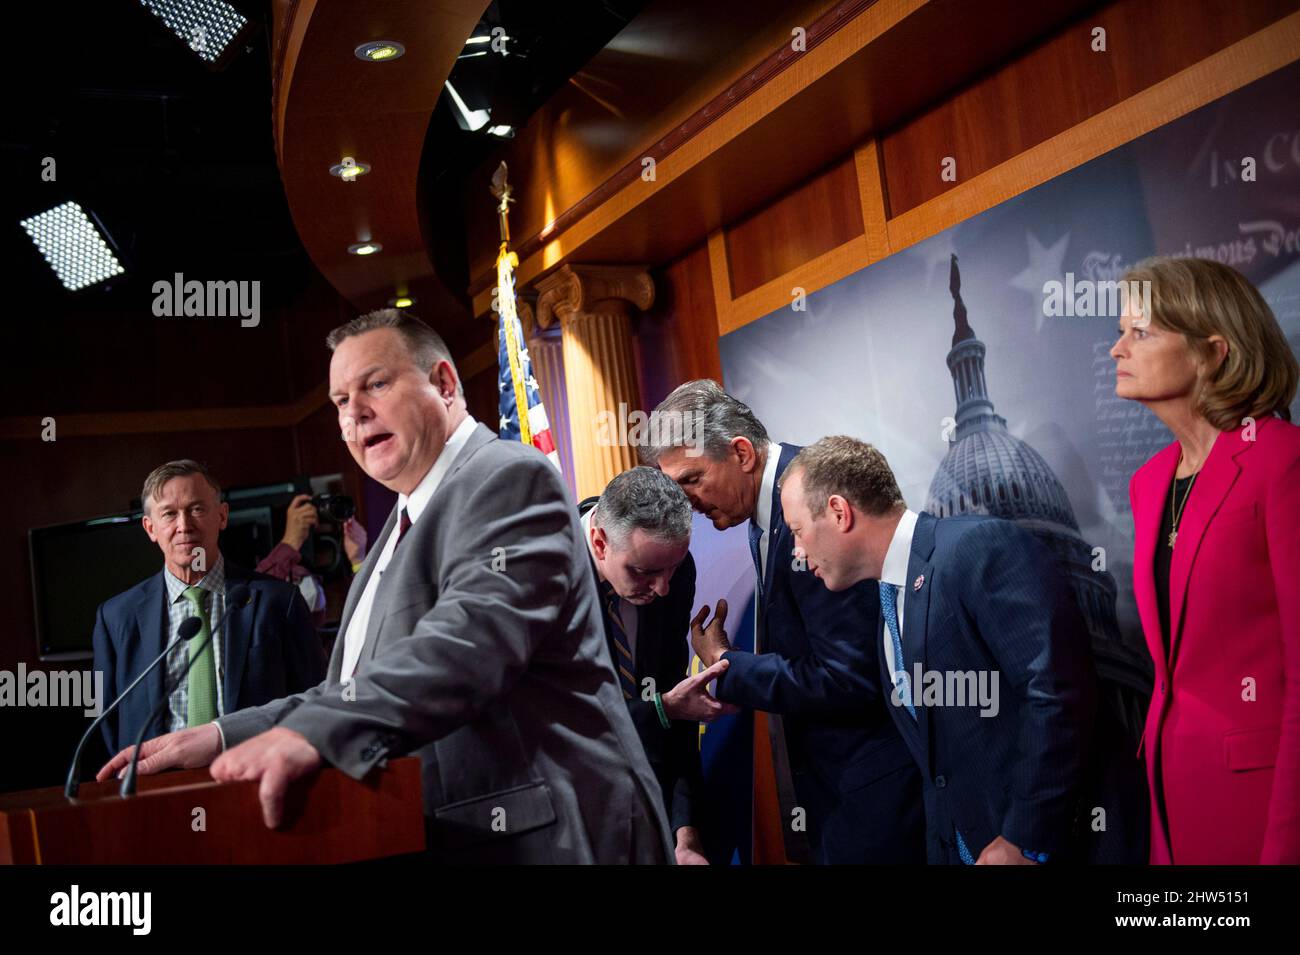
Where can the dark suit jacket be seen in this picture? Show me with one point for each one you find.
(485, 655)
(819, 668)
(269, 649)
(991, 599)
(663, 654)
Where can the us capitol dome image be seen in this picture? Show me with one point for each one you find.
(988, 470)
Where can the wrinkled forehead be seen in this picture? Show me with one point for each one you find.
(184, 490)
(682, 466)
(358, 356)
(644, 550)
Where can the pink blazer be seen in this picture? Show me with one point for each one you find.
(1223, 730)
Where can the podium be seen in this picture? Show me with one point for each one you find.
(186, 817)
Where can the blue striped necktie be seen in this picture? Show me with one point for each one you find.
(889, 610)
(624, 662)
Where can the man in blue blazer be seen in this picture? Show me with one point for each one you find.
(268, 648)
(815, 672)
(994, 688)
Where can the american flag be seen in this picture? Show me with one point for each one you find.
(515, 381)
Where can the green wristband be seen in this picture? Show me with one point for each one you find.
(659, 708)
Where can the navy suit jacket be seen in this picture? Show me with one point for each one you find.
(270, 650)
(992, 599)
(819, 669)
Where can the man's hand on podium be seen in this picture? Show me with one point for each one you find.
(276, 758)
(184, 749)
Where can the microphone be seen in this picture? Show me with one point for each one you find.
(188, 628)
(236, 598)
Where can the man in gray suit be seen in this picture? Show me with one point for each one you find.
(472, 635)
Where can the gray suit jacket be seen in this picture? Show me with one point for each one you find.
(485, 654)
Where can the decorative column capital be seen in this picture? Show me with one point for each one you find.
(573, 290)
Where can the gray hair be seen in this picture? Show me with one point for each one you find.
(424, 346)
(700, 414)
(160, 475)
(646, 499)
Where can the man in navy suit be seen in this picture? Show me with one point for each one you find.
(638, 536)
(836, 753)
(994, 688)
(268, 648)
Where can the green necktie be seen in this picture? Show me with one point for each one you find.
(202, 686)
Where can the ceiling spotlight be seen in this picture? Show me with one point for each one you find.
(505, 132)
(349, 169)
(402, 301)
(379, 51)
(364, 248)
(73, 246)
(466, 118)
(211, 28)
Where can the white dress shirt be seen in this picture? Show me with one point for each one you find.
(414, 504)
(763, 514)
(627, 612)
(895, 572)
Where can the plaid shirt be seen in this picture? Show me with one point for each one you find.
(178, 608)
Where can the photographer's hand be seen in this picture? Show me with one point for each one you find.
(299, 520)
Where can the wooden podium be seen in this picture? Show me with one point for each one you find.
(328, 818)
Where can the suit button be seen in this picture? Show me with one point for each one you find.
(940, 782)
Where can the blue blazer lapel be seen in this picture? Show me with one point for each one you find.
(916, 617)
(236, 638)
(151, 623)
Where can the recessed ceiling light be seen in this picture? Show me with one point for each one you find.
(379, 51)
(402, 301)
(364, 248)
(349, 169)
(73, 246)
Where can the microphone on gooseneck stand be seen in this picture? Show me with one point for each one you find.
(188, 628)
(236, 598)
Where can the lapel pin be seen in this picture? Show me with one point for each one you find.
(918, 583)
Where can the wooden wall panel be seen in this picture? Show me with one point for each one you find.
(677, 339)
(1060, 84)
(819, 215)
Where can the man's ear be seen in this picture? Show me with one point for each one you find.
(148, 528)
(443, 377)
(599, 542)
(745, 453)
(224, 509)
(841, 512)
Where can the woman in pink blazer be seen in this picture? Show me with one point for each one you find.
(1216, 567)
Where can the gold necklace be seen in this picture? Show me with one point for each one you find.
(1177, 514)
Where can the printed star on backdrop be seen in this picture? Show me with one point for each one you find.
(936, 252)
(1044, 266)
(505, 423)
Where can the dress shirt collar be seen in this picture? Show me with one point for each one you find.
(214, 581)
(763, 516)
(900, 551)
